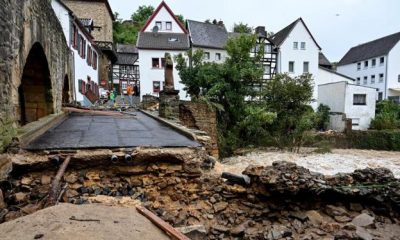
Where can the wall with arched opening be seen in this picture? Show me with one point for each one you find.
(34, 60)
(35, 90)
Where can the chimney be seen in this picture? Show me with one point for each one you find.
(260, 30)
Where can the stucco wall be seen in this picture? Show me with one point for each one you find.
(365, 113)
(287, 53)
(333, 95)
(213, 53)
(351, 71)
(148, 74)
(164, 16)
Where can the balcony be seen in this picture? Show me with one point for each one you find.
(108, 49)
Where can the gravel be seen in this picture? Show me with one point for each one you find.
(339, 161)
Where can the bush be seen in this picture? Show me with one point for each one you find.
(387, 116)
(321, 120)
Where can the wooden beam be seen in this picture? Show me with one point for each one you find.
(55, 186)
(172, 232)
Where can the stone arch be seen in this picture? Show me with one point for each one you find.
(66, 90)
(35, 90)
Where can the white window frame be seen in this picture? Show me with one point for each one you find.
(372, 79)
(358, 66)
(366, 63)
(365, 81)
(373, 62)
(218, 56)
(168, 24)
(303, 45)
(291, 62)
(381, 77)
(359, 99)
(159, 25)
(358, 81)
(304, 67)
(295, 45)
(381, 61)
(207, 55)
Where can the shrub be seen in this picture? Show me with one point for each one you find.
(322, 117)
(387, 116)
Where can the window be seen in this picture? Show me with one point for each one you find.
(381, 77)
(372, 79)
(358, 81)
(218, 56)
(365, 80)
(380, 96)
(360, 99)
(381, 60)
(168, 26)
(207, 55)
(366, 64)
(358, 66)
(291, 67)
(173, 39)
(373, 62)
(155, 62)
(305, 67)
(398, 78)
(74, 37)
(159, 25)
(295, 45)
(303, 46)
(267, 49)
(267, 69)
(94, 60)
(156, 86)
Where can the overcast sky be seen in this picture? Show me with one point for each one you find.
(337, 25)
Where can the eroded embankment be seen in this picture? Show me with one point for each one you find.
(281, 201)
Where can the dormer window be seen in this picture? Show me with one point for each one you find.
(168, 26)
(159, 25)
(173, 39)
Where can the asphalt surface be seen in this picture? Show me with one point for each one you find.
(85, 131)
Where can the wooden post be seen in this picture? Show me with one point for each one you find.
(172, 232)
(55, 186)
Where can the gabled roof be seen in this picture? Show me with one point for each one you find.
(323, 60)
(280, 37)
(207, 35)
(163, 41)
(126, 59)
(163, 4)
(375, 48)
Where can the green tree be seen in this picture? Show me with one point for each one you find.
(387, 115)
(142, 14)
(227, 85)
(289, 98)
(242, 28)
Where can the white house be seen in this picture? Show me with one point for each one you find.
(375, 64)
(298, 52)
(209, 37)
(162, 33)
(355, 102)
(85, 55)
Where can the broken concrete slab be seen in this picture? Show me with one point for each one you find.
(91, 222)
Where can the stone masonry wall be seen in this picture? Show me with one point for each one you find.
(202, 117)
(99, 13)
(24, 23)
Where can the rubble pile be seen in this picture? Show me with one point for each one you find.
(283, 201)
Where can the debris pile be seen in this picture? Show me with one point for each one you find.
(282, 201)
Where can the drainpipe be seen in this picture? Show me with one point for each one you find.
(386, 76)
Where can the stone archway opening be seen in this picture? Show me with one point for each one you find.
(35, 95)
(65, 92)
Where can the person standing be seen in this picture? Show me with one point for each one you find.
(112, 98)
(130, 93)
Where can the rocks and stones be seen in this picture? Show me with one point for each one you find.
(26, 180)
(2, 203)
(218, 207)
(20, 197)
(45, 180)
(278, 232)
(363, 220)
(314, 217)
(363, 234)
(195, 232)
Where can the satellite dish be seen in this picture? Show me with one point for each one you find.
(155, 29)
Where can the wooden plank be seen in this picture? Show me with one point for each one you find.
(172, 232)
(55, 186)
